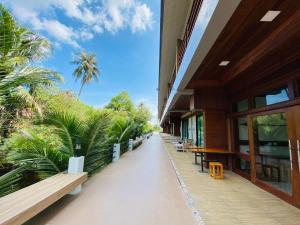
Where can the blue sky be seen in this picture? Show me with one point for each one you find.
(124, 35)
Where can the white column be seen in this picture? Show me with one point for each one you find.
(76, 166)
(130, 145)
(117, 152)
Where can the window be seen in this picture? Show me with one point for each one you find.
(241, 106)
(243, 165)
(242, 145)
(200, 130)
(273, 162)
(271, 97)
(243, 140)
(185, 129)
(298, 87)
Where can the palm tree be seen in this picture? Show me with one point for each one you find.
(86, 70)
(122, 129)
(32, 153)
(18, 48)
(96, 145)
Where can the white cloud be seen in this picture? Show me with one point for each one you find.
(142, 19)
(98, 29)
(86, 35)
(92, 17)
(61, 32)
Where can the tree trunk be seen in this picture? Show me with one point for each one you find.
(80, 90)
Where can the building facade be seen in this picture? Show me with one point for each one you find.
(229, 78)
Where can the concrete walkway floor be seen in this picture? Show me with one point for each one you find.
(140, 189)
(232, 201)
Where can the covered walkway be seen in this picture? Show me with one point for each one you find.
(140, 189)
(232, 201)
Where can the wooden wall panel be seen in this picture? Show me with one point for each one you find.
(212, 99)
(212, 102)
(215, 130)
(177, 122)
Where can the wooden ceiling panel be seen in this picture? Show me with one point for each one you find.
(183, 103)
(253, 47)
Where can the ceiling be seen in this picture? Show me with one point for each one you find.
(255, 49)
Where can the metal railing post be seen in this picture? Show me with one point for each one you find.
(117, 152)
(130, 144)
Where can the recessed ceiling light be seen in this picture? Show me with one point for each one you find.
(270, 16)
(224, 63)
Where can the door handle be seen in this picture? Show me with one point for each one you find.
(290, 149)
(298, 150)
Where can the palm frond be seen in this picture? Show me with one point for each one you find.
(68, 127)
(125, 135)
(27, 76)
(97, 147)
(10, 182)
(37, 153)
(95, 131)
(27, 100)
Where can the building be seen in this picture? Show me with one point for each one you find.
(229, 78)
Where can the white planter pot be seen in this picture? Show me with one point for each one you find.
(76, 166)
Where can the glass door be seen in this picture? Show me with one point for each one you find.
(294, 117)
(242, 147)
(185, 129)
(272, 151)
(200, 130)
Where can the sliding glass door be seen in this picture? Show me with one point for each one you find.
(200, 130)
(185, 129)
(242, 147)
(294, 135)
(272, 151)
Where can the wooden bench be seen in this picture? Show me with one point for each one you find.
(20, 206)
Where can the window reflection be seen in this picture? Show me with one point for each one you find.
(185, 129)
(243, 140)
(271, 97)
(298, 87)
(200, 130)
(243, 165)
(241, 106)
(273, 164)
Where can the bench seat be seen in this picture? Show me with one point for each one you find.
(20, 206)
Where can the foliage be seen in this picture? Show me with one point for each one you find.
(18, 48)
(141, 117)
(10, 182)
(157, 128)
(37, 152)
(127, 118)
(121, 103)
(87, 68)
(35, 156)
(121, 129)
(40, 154)
(40, 125)
(96, 145)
